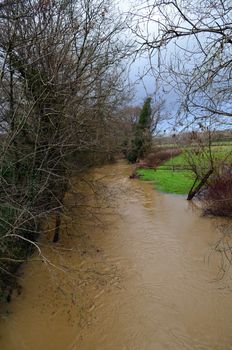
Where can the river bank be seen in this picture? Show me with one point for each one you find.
(136, 270)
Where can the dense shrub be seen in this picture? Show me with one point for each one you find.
(155, 159)
(218, 197)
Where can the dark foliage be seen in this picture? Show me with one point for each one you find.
(153, 160)
(218, 197)
(142, 138)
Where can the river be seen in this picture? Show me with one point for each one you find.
(135, 270)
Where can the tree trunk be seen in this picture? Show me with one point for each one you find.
(193, 192)
(57, 229)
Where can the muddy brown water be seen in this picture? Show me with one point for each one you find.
(135, 270)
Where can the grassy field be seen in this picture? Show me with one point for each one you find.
(175, 176)
(219, 153)
(178, 182)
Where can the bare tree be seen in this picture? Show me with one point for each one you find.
(193, 44)
(189, 48)
(61, 84)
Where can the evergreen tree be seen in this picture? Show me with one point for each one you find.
(141, 142)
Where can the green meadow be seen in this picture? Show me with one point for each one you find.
(178, 182)
(175, 176)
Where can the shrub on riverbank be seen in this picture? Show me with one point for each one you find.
(218, 196)
(155, 159)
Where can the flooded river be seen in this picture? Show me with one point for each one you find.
(135, 270)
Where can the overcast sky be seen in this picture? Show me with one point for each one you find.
(145, 81)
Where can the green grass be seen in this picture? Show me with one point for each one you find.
(181, 180)
(178, 182)
(219, 153)
(179, 160)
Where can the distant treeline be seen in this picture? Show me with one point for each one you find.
(216, 136)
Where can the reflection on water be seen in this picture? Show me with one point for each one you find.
(135, 270)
